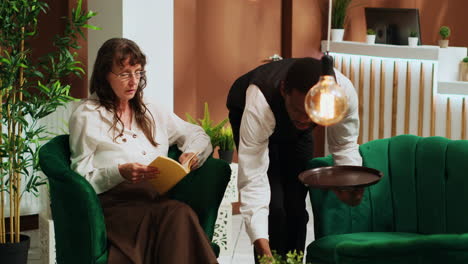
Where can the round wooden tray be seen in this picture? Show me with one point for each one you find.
(342, 177)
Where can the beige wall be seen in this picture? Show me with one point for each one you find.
(216, 41)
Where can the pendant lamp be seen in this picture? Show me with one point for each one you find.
(326, 102)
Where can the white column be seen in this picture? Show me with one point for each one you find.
(151, 25)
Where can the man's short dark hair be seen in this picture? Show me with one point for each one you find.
(303, 74)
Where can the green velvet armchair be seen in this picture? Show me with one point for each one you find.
(417, 213)
(80, 233)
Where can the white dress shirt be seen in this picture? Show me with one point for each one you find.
(96, 155)
(257, 125)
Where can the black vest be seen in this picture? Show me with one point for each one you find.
(267, 77)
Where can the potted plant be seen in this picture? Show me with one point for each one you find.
(444, 33)
(339, 8)
(30, 89)
(212, 130)
(370, 38)
(464, 70)
(291, 258)
(413, 39)
(226, 144)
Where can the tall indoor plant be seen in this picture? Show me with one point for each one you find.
(32, 87)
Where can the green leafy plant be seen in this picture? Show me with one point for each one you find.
(206, 123)
(226, 139)
(444, 32)
(465, 59)
(370, 31)
(291, 258)
(339, 8)
(413, 34)
(32, 87)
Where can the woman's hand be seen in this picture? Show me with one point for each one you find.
(186, 156)
(136, 172)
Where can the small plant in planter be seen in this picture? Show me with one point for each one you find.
(339, 8)
(444, 33)
(464, 70)
(413, 39)
(370, 38)
(413, 34)
(212, 130)
(370, 31)
(226, 144)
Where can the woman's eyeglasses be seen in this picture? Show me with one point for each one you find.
(125, 76)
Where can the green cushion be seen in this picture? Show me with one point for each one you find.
(423, 191)
(388, 247)
(80, 232)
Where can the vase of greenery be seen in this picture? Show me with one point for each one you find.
(413, 39)
(31, 87)
(444, 33)
(370, 37)
(226, 144)
(211, 129)
(339, 8)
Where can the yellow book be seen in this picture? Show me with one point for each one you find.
(170, 172)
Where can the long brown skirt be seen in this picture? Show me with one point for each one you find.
(144, 228)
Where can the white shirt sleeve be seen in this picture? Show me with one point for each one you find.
(342, 137)
(188, 137)
(85, 130)
(256, 127)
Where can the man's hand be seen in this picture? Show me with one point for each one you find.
(351, 197)
(262, 247)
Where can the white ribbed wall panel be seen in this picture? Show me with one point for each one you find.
(344, 62)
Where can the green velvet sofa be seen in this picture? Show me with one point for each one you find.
(80, 232)
(417, 213)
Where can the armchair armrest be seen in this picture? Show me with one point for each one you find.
(79, 225)
(203, 189)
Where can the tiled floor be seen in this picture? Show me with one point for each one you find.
(243, 252)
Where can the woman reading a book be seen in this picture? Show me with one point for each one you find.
(114, 135)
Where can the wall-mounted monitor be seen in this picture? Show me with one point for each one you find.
(393, 25)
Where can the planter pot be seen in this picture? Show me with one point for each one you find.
(370, 39)
(226, 155)
(413, 42)
(443, 43)
(463, 72)
(15, 253)
(337, 34)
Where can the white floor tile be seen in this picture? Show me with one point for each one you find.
(243, 252)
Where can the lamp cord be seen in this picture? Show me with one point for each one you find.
(329, 25)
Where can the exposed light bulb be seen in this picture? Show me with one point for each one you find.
(326, 102)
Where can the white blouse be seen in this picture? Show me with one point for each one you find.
(257, 125)
(96, 155)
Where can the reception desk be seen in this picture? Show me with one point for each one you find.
(405, 90)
